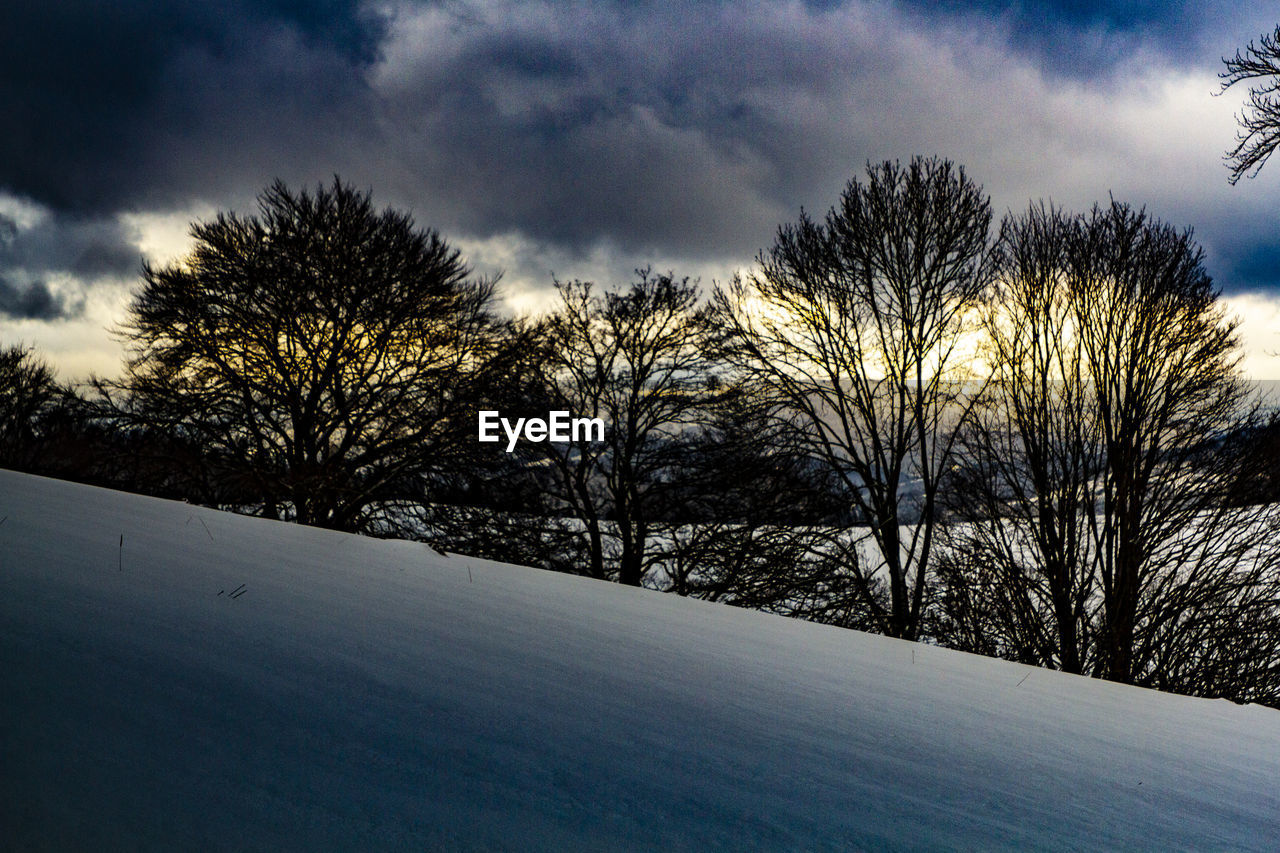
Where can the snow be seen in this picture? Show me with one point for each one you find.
(365, 694)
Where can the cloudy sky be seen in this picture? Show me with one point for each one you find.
(584, 139)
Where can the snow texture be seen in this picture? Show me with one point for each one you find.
(222, 682)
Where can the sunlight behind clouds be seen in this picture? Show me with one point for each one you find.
(165, 237)
(1259, 316)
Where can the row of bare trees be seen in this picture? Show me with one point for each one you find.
(699, 487)
(1032, 443)
(1044, 436)
(1099, 476)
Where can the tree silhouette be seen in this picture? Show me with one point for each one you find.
(320, 351)
(1098, 482)
(1259, 133)
(853, 325)
(27, 394)
(634, 357)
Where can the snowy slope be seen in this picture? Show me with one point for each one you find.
(361, 694)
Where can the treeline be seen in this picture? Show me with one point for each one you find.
(1026, 439)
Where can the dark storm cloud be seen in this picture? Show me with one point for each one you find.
(648, 130)
(696, 128)
(656, 127)
(85, 248)
(650, 124)
(81, 252)
(115, 105)
(1091, 38)
(669, 129)
(598, 136)
(1253, 266)
(36, 302)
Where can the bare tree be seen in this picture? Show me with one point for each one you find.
(503, 506)
(1162, 364)
(760, 523)
(1259, 132)
(854, 325)
(28, 392)
(320, 352)
(1020, 577)
(636, 359)
(1102, 534)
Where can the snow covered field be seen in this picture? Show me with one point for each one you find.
(222, 682)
